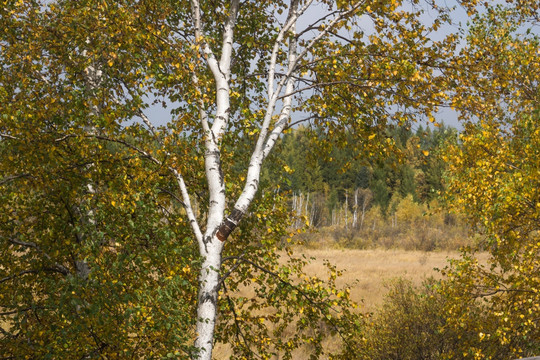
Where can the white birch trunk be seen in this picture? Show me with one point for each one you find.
(208, 297)
(355, 212)
(306, 206)
(93, 76)
(306, 210)
(219, 226)
(364, 205)
(299, 211)
(346, 211)
(312, 214)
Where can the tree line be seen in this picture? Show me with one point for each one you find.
(343, 176)
(360, 201)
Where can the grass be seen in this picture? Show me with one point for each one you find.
(368, 271)
(374, 268)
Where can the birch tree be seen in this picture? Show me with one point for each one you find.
(233, 72)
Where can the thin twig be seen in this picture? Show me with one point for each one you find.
(8, 136)
(12, 177)
(21, 310)
(57, 267)
(239, 333)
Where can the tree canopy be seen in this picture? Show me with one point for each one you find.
(120, 238)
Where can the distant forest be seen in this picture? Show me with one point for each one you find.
(366, 201)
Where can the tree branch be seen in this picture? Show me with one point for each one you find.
(12, 177)
(21, 310)
(239, 333)
(306, 296)
(293, 60)
(24, 272)
(8, 136)
(291, 21)
(62, 270)
(57, 267)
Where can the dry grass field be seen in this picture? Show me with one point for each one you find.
(368, 272)
(375, 268)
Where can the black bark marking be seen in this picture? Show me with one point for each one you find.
(254, 184)
(217, 161)
(208, 296)
(221, 177)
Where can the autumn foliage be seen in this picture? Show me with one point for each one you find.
(121, 238)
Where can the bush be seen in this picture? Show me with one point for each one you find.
(409, 212)
(409, 325)
(426, 323)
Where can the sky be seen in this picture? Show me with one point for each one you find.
(160, 115)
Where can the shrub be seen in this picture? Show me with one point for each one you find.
(426, 323)
(409, 325)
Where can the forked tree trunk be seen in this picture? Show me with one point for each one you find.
(280, 87)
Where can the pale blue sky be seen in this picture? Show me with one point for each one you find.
(160, 116)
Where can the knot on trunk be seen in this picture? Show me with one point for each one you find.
(229, 224)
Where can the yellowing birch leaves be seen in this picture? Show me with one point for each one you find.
(97, 256)
(494, 179)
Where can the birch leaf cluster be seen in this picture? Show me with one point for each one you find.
(494, 180)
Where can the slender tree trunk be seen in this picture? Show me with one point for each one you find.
(355, 213)
(364, 205)
(306, 210)
(93, 76)
(312, 214)
(208, 298)
(299, 206)
(346, 211)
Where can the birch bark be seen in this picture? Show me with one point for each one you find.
(280, 94)
(218, 227)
